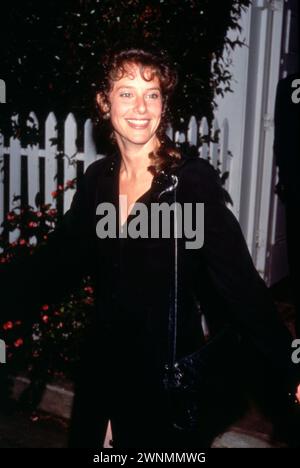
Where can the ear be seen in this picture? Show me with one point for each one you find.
(102, 102)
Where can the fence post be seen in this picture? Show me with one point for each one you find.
(225, 156)
(1, 180)
(50, 157)
(70, 150)
(192, 131)
(169, 131)
(179, 137)
(203, 132)
(214, 145)
(14, 175)
(90, 153)
(33, 162)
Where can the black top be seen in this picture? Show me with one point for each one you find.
(132, 276)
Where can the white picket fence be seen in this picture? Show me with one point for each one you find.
(217, 152)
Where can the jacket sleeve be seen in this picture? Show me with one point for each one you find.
(231, 272)
(54, 269)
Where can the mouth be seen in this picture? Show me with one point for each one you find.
(138, 123)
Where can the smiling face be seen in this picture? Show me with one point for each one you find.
(136, 108)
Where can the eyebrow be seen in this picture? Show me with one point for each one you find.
(132, 87)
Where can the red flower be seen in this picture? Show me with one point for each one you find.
(89, 300)
(45, 307)
(89, 289)
(32, 224)
(70, 183)
(54, 194)
(10, 217)
(45, 318)
(8, 325)
(22, 242)
(18, 342)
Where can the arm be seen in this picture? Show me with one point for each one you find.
(55, 269)
(248, 300)
(232, 274)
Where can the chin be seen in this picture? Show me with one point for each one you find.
(139, 140)
(136, 139)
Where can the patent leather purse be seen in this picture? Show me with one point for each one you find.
(190, 382)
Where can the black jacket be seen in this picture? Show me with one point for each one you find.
(132, 276)
(286, 140)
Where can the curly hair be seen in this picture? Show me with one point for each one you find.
(115, 65)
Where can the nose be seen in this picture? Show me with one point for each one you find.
(140, 104)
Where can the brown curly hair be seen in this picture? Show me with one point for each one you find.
(115, 66)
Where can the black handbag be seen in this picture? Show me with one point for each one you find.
(192, 382)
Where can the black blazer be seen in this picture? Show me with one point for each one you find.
(132, 277)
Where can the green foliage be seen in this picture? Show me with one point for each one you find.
(49, 347)
(53, 49)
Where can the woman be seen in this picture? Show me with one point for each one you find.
(123, 360)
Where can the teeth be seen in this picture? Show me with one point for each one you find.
(138, 121)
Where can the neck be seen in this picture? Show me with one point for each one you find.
(135, 158)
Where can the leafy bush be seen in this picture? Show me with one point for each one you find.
(49, 347)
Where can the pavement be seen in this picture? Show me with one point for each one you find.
(23, 430)
(42, 430)
(48, 426)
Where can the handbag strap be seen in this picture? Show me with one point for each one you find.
(172, 319)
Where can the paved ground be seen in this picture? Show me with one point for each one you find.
(19, 428)
(22, 430)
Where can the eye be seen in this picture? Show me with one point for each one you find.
(153, 95)
(126, 94)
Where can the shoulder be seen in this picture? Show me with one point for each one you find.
(199, 180)
(92, 178)
(96, 171)
(97, 167)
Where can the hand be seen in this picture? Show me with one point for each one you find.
(298, 394)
